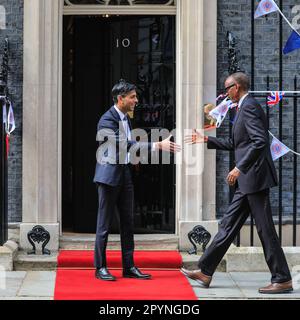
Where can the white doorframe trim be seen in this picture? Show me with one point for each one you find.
(59, 116)
(178, 95)
(119, 10)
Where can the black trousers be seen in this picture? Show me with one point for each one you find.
(259, 206)
(110, 198)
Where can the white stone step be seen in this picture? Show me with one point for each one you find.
(237, 259)
(252, 259)
(73, 241)
(190, 262)
(33, 262)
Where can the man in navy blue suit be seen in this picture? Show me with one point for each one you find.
(113, 177)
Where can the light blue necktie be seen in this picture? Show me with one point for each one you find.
(128, 135)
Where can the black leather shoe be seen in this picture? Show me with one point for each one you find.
(104, 274)
(134, 272)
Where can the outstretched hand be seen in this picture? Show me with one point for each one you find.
(195, 137)
(169, 146)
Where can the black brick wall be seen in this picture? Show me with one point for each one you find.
(235, 16)
(14, 32)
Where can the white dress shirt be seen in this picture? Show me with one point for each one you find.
(124, 120)
(125, 123)
(242, 99)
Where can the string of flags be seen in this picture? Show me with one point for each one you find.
(267, 6)
(220, 111)
(8, 120)
(278, 149)
(274, 98)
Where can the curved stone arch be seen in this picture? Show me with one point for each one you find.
(2, 18)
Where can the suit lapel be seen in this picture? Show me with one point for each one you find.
(118, 119)
(238, 113)
(115, 113)
(236, 119)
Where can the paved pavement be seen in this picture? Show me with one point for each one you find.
(240, 286)
(27, 285)
(39, 285)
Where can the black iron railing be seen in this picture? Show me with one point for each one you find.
(293, 144)
(295, 95)
(3, 157)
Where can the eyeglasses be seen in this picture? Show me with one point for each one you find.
(227, 88)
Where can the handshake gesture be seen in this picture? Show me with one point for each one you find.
(195, 137)
(168, 145)
(198, 137)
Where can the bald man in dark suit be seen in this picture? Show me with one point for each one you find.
(253, 176)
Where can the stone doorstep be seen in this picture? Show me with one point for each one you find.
(35, 262)
(141, 241)
(8, 253)
(25, 262)
(245, 259)
(190, 261)
(237, 259)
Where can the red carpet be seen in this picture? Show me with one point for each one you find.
(143, 259)
(75, 279)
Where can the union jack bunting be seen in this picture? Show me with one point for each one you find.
(220, 111)
(265, 7)
(274, 98)
(278, 149)
(8, 121)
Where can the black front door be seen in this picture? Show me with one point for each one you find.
(98, 51)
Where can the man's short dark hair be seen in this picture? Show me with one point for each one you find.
(242, 79)
(122, 88)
